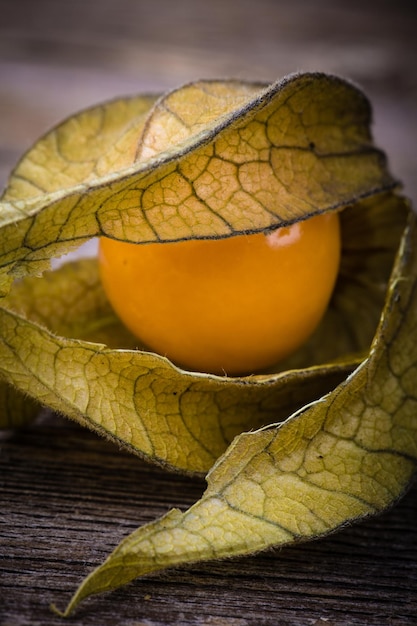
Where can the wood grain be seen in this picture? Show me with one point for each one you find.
(67, 497)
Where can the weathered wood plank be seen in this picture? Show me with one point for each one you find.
(69, 497)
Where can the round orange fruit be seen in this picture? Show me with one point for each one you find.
(226, 306)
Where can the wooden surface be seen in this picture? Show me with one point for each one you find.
(67, 497)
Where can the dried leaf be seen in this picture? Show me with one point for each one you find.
(275, 155)
(216, 159)
(56, 335)
(248, 157)
(139, 399)
(347, 456)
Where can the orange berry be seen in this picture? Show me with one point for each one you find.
(235, 305)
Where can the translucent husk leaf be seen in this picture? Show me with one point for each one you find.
(216, 159)
(139, 399)
(61, 343)
(258, 158)
(347, 456)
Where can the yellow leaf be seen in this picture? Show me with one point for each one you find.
(172, 417)
(217, 159)
(62, 344)
(289, 151)
(349, 455)
(83, 148)
(139, 399)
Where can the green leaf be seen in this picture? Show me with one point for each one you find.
(349, 455)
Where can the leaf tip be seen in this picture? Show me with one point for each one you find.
(56, 611)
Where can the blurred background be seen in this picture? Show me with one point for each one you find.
(58, 56)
